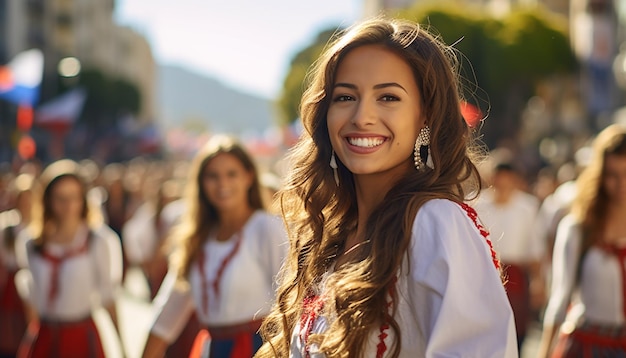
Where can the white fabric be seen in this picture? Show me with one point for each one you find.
(140, 234)
(513, 227)
(451, 300)
(598, 298)
(85, 280)
(247, 287)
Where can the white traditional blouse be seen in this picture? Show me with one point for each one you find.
(451, 301)
(597, 296)
(66, 281)
(237, 283)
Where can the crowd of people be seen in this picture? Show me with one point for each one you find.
(394, 241)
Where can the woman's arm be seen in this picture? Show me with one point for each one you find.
(566, 256)
(457, 293)
(547, 339)
(155, 347)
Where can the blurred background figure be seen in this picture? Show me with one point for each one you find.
(72, 263)
(228, 253)
(510, 215)
(145, 232)
(116, 202)
(12, 223)
(588, 297)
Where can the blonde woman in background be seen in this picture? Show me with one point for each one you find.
(588, 296)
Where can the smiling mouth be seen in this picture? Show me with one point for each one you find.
(366, 142)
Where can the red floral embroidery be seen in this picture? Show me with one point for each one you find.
(474, 216)
(311, 306)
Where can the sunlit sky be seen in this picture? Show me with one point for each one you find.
(246, 44)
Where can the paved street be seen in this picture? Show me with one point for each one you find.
(135, 317)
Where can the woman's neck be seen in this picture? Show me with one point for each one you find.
(65, 232)
(232, 221)
(370, 192)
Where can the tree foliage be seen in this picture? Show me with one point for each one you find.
(293, 84)
(504, 56)
(108, 98)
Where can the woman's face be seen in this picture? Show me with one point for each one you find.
(226, 182)
(375, 112)
(67, 200)
(614, 180)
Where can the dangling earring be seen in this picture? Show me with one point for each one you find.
(422, 149)
(333, 164)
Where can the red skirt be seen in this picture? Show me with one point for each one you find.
(62, 339)
(238, 341)
(517, 290)
(185, 341)
(591, 341)
(13, 321)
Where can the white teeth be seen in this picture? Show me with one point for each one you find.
(366, 142)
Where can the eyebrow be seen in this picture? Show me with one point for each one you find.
(378, 86)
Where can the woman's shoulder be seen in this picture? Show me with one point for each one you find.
(446, 222)
(262, 218)
(103, 231)
(103, 235)
(569, 222)
(569, 229)
(436, 210)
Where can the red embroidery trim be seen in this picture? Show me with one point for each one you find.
(620, 254)
(55, 262)
(474, 216)
(312, 305)
(215, 285)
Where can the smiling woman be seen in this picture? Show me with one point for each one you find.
(386, 258)
(228, 251)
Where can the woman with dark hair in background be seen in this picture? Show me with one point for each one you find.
(588, 295)
(73, 263)
(386, 259)
(228, 253)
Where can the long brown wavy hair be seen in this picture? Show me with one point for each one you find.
(321, 215)
(591, 202)
(43, 219)
(200, 216)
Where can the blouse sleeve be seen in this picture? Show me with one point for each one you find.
(23, 279)
(462, 308)
(174, 305)
(108, 256)
(273, 246)
(565, 259)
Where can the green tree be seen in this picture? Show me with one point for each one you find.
(108, 97)
(506, 57)
(293, 84)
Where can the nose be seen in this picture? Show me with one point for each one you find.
(365, 114)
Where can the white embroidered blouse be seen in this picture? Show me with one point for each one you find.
(247, 282)
(451, 299)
